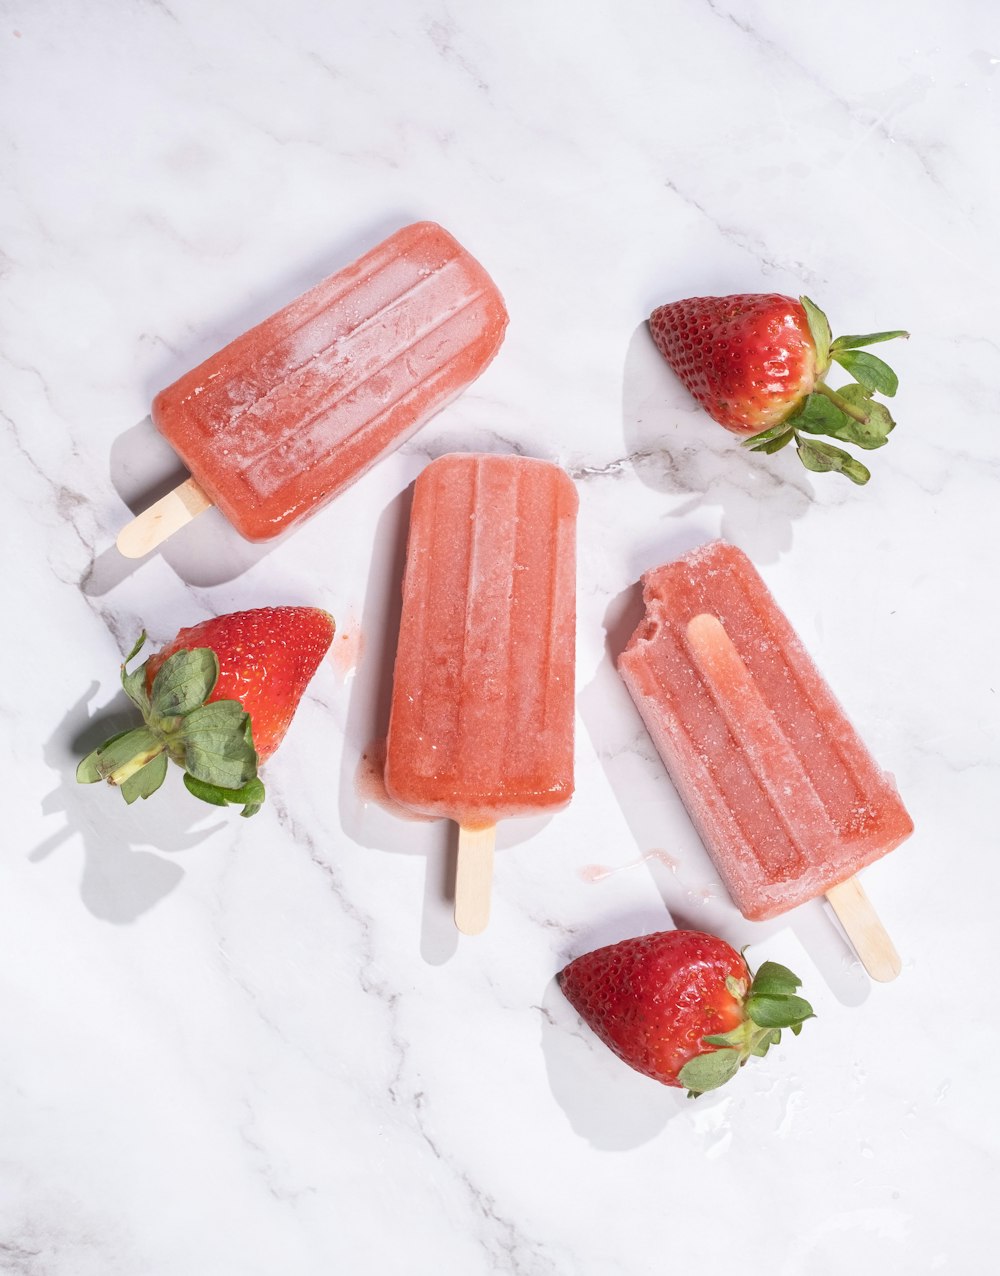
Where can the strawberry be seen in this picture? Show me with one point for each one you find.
(757, 364)
(218, 700)
(682, 1007)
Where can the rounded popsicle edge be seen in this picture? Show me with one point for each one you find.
(164, 517)
(864, 929)
(474, 878)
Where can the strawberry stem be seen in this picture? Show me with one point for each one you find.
(839, 401)
(129, 768)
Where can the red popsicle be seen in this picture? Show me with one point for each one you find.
(289, 414)
(481, 724)
(786, 797)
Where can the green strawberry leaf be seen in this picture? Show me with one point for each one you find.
(765, 1041)
(773, 979)
(134, 683)
(873, 373)
(867, 339)
(765, 436)
(184, 682)
(709, 1071)
(88, 771)
(146, 780)
(770, 446)
(736, 1037)
(876, 425)
(251, 794)
(822, 458)
(124, 754)
(778, 1012)
(819, 415)
(819, 329)
(216, 744)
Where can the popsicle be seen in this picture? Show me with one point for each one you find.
(481, 720)
(290, 413)
(788, 800)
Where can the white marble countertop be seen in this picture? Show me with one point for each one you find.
(237, 1047)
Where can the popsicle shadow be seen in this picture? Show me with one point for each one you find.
(208, 551)
(119, 882)
(667, 843)
(366, 819)
(676, 448)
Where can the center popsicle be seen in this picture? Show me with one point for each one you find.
(481, 724)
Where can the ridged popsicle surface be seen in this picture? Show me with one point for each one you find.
(481, 724)
(293, 411)
(786, 797)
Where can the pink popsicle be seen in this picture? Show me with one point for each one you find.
(785, 795)
(481, 724)
(290, 413)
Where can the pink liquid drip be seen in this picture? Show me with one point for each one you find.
(598, 872)
(346, 651)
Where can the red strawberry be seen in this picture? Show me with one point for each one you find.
(682, 1007)
(218, 700)
(757, 362)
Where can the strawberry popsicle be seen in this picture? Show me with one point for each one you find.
(481, 723)
(293, 411)
(786, 797)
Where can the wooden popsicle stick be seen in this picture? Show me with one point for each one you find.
(869, 937)
(166, 516)
(474, 878)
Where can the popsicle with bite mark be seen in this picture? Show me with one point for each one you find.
(788, 800)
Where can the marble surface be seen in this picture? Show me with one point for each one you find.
(237, 1047)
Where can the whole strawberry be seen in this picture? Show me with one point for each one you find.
(217, 700)
(682, 1007)
(757, 364)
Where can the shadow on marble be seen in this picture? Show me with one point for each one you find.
(119, 881)
(675, 448)
(667, 844)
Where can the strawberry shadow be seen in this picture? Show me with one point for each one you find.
(606, 1102)
(667, 847)
(119, 881)
(675, 448)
